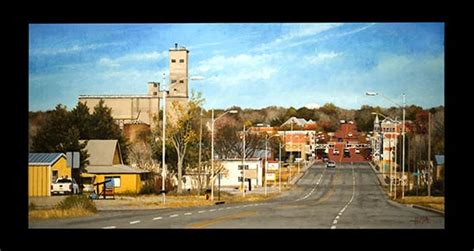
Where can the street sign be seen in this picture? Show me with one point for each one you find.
(271, 176)
(73, 159)
(273, 166)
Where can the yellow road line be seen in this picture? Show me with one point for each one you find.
(207, 223)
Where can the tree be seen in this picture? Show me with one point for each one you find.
(181, 133)
(102, 126)
(58, 134)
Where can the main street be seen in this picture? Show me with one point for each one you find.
(346, 197)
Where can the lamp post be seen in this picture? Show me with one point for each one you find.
(266, 161)
(212, 148)
(403, 133)
(163, 159)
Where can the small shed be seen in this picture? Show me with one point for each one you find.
(43, 170)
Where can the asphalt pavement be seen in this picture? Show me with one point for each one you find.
(346, 197)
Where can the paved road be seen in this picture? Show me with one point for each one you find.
(346, 197)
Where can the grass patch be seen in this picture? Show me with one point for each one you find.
(58, 213)
(435, 202)
(72, 206)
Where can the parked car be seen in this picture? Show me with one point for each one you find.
(357, 151)
(331, 164)
(65, 186)
(325, 159)
(336, 152)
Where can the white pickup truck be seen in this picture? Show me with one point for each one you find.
(64, 186)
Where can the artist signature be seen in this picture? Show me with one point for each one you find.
(422, 220)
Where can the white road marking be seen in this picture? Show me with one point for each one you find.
(348, 203)
(174, 215)
(221, 209)
(109, 227)
(212, 210)
(314, 188)
(237, 207)
(202, 211)
(188, 213)
(134, 222)
(157, 218)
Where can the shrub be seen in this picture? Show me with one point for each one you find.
(77, 201)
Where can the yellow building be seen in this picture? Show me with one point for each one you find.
(43, 170)
(105, 163)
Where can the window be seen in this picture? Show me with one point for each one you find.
(246, 167)
(155, 85)
(155, 93)
(115, 180)
(173, 60)
(173, 81)
(181, 60)
(181, 81)
(55, 175)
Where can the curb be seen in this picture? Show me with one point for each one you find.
(427, 209)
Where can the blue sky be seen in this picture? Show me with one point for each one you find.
(248, 65)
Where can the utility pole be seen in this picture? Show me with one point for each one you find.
(279, 167)
(395, 170)
(391, 160)
(429, 154)
(243, 163)
(199, 165)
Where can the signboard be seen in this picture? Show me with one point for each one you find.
(251, 174)
(271, 176)
(73, 159)
(273, 166)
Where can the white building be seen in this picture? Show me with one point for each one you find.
(232, 174)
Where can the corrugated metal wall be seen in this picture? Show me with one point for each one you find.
(39, 181)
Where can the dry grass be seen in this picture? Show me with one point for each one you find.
(58, 213)
(431, 201)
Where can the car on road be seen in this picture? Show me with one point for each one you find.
(325, 159)
(331, 164)
(65, 186)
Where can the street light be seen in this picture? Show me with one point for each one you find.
(212, 148)
(243, 159)
(403, 134)
(163, 159)
(266, 161)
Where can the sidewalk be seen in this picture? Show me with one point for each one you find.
(378, 174)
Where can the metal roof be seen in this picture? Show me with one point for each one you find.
(44, 158)
(101, 151)
(114, 169)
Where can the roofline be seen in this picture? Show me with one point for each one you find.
(118, 96)
(48, 164)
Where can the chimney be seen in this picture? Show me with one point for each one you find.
(176, 45)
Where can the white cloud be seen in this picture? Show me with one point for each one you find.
(133, 57)
(72, 49)
(108, 62)
(238, 69)
(321, 57)
(297, 32)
